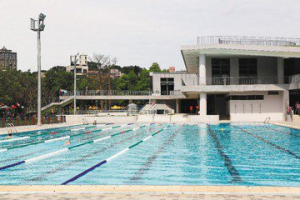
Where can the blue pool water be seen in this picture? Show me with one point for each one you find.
(223, 154)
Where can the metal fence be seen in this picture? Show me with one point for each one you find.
(246, 40)
(120, 93)
(107, 93)
(242, 80)
(24, 121)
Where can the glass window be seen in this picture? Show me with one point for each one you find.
(166, 85)
(247, 67)
(220, 67)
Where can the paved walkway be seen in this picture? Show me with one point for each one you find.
(3, 131)
(294, 124)
(139, 196)
(147, 192)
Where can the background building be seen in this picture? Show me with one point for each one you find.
(115, 73)
(8, 59)
(171, 69)
(81, 68)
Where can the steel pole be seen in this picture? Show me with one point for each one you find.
(39, 114)
(75, 85)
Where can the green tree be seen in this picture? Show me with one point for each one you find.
(143, 81)
(127, 81)
(18, 87)
(127, 69)
(155, 67)
(54, 80)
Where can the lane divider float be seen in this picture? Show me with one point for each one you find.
(111, 158)
(15, 139)
(53, 140)
(56, 152)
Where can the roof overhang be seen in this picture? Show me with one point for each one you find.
(190, 53)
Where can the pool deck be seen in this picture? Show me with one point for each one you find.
(146, 192)
(295, 125)
(3, 131)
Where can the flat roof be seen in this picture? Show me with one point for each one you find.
(222, 46)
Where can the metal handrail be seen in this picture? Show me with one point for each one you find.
(120, 93)
(84, 121)
(267, 120)
(11, 128)
(248, 40)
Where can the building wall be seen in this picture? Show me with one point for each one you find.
(178, 78)
(257, 110)
(266, 67)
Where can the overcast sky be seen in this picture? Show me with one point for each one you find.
(137, 32)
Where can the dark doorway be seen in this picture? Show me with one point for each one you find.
(189, 106)
(216, 105)
(294, 97)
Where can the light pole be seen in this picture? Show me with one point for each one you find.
(38, 26)
(74, 60)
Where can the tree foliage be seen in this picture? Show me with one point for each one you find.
(21, 87)
(18, 87)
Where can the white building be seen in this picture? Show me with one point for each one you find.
(235, 78)
(115, 73)
(81, 68)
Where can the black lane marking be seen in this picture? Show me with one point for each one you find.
(283, 132)
(22, 156)
(62, 167)
(227, 161)
(138, 175)
(270, 143)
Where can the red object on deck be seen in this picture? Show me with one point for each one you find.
(87, 132)
(53, 132)
(122, 132)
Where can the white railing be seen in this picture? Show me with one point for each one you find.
(251, 80)
(248, 40)
(120, 93)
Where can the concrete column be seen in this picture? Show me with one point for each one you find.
(202, 69)
(285, 104)
(203, 104)
(177, 105)
(280, 71)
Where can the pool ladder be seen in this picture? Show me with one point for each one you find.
(11, 128)
(84, 121)
(267, 120)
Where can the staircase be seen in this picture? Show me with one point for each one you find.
(152, 109)
(146, 109)
(53, 104)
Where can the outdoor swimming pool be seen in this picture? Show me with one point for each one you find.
(153, 154)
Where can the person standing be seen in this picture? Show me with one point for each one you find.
(297, 108)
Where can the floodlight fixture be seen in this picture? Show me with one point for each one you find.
(42, 17)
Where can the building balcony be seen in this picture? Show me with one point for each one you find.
(251, 80)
